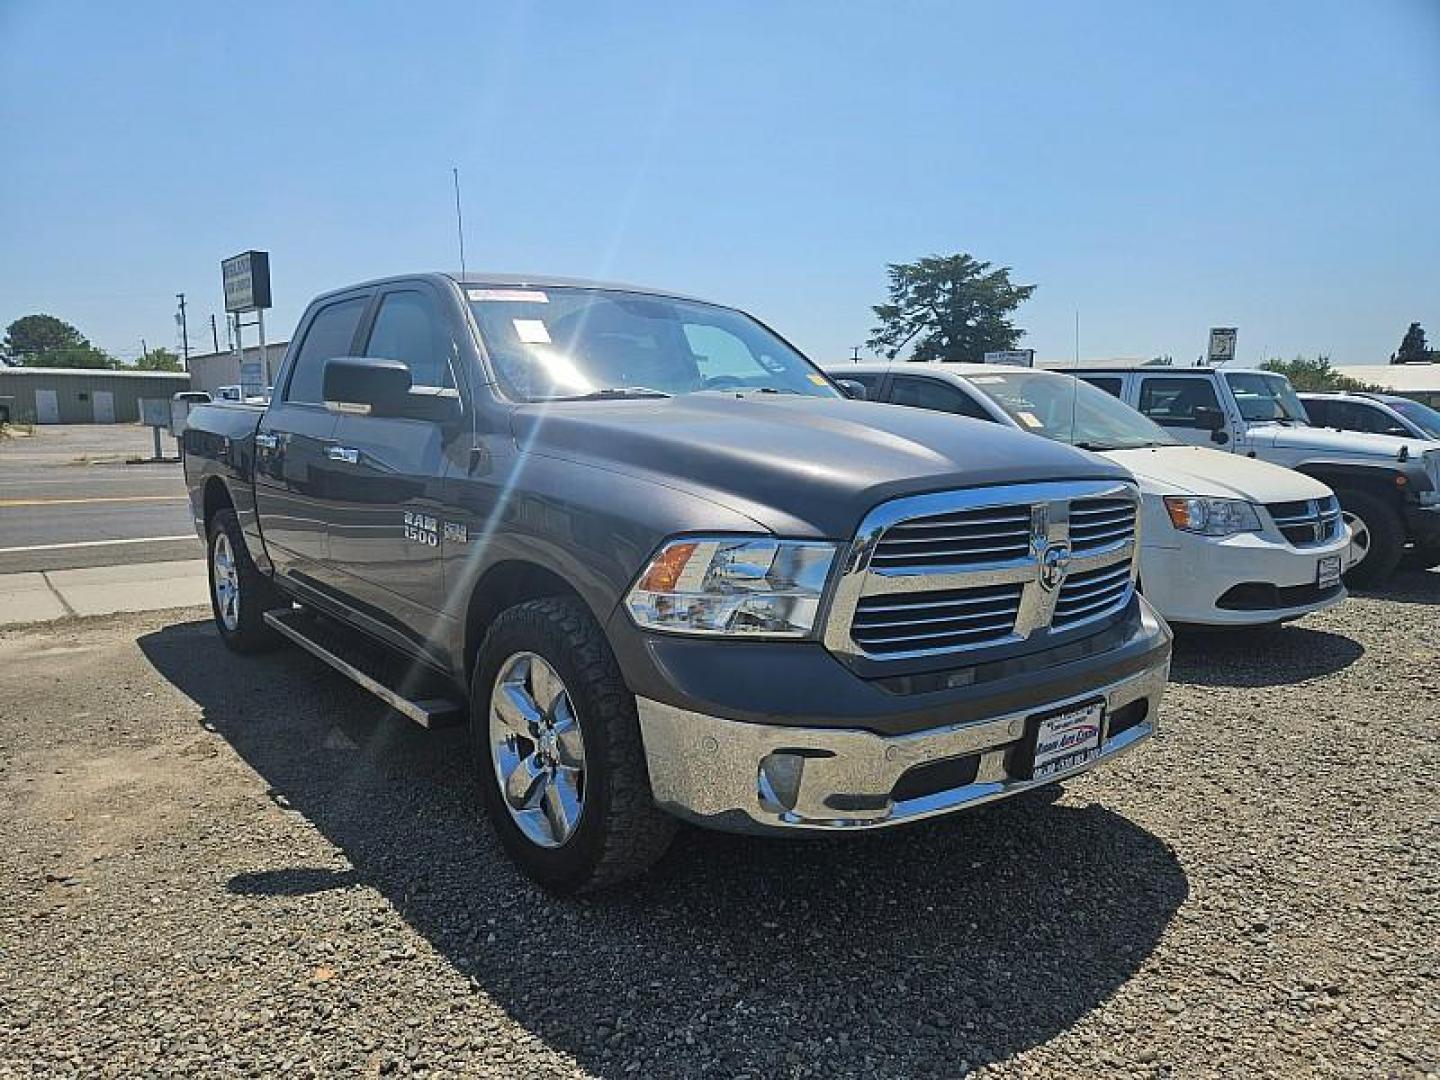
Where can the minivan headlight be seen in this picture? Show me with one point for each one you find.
(1211, 517)
(732, 586)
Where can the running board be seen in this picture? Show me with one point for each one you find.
(328, 643)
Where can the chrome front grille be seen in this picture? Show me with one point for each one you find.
(963, 538)
(1098, 523)
(942, 619)
(1307, 523)
(1089, 592)
(960, 570)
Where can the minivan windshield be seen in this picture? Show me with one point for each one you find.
(1070, 410)
(568, 343)
(1422, 416)
(1265, 397)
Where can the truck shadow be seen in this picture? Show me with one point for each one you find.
(1408, 586)
(906, 952)
(1246, 657)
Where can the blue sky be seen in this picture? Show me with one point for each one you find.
(1161, 167)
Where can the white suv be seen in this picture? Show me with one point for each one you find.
(1224, 540)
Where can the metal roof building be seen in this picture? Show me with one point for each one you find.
(82, 395)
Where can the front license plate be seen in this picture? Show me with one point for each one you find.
(1327, 573)
(1064, 741)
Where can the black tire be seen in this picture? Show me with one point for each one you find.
(620, 833)
(1386, 536)
(243, 629)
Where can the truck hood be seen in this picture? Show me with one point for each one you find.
(1196, 470)
(799, 466)
(1354, 444)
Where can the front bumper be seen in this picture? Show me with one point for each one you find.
(1187, 579)
(758, 778)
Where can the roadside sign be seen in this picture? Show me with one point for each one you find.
(247, 281)
(1013, 357)
(155, 412)
(1222, 344)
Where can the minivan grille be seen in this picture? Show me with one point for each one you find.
(1309, 522)
(963, 538)
(932, 620)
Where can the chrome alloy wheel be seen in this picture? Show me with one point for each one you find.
(537, 749)
(225, 580)
(1359, 540)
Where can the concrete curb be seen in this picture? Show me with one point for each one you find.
(42, 596)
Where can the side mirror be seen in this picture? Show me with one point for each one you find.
(852, 389)
(1208, 419)
(370, 386)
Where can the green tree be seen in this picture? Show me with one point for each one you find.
(1412, 348)
(1316, 374)
(158, 360)
(952, 307)
(45, 341)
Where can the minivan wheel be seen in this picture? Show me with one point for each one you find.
(1377, 537)
(558, 755)
(239, 593)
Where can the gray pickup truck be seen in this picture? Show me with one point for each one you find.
(663, 567)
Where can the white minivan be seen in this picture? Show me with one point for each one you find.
(1225, 540)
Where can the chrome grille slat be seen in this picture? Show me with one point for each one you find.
(1307, 523)
(955, 571)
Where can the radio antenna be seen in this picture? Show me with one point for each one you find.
(1075, 388)
(459, 221)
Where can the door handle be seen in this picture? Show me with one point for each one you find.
(343, 453)
(266, 440)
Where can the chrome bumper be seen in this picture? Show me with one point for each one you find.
(741, 777)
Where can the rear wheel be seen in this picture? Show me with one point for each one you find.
(239, 593)
(557, 749)
(1377, 537)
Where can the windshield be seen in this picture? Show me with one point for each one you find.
(1422, 416)
(566, 343)
(1265, 397)
(1069, 410)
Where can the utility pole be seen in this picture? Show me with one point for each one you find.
(144, 349)
(855, 353)
(214, 333)
(184, 332)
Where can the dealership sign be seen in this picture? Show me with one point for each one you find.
(247, 281)
(1013, 357)
(1222, 344)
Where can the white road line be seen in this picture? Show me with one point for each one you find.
(95, 543)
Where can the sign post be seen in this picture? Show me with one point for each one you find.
(247, 288)
(1222, 345)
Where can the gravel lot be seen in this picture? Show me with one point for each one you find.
(219, 866)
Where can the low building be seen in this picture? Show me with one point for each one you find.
(210, 371)
(1418, 381)
(82, 395)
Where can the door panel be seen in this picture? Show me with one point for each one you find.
(386, 518)
(47, 407)
(293, 481)
(104, 404)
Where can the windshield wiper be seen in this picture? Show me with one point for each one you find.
(613, 392)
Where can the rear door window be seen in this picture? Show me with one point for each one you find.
(331, 334)
(1172, 402)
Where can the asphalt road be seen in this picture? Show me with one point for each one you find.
(68, 498)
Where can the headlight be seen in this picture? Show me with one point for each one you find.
(1432, 468)
(732, 586)
(1211, 517)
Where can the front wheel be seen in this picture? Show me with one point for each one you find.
(239, 593)
(558, 754)
(1377, 537)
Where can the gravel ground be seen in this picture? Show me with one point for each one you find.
(217, 866)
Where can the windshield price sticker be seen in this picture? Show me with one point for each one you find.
(507, 296)
(531, 331)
